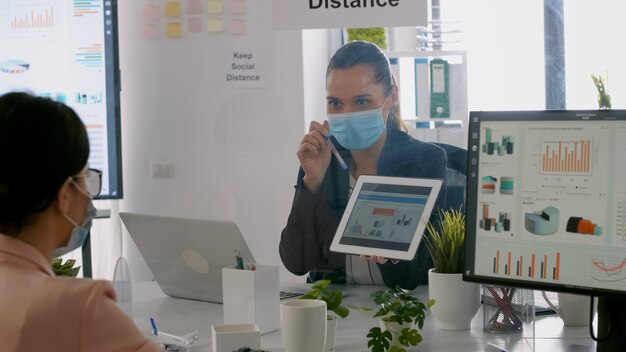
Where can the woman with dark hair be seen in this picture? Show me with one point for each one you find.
(45, 212)
(365, 126)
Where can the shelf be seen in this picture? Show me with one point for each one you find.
(426, 54)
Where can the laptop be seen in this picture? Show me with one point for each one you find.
(186, 256)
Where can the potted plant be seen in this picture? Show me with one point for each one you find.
(401, 319)
(459, 301)
(333, 298)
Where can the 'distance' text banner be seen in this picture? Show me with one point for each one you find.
(306, 14)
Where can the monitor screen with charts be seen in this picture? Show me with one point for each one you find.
(546, 201)
(386, 216)
(67, 50)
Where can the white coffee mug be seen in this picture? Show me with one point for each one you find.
(303, 325)
(573, 309)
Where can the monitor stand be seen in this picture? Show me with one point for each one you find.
(611, 324)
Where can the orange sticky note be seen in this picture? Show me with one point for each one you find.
(194, 7)
(214, 25)
(151, 11)
(214, 7)
(173, 30)
(150, 31)
(172, 9)
(194, 24)
(237, 26)
(236, 7)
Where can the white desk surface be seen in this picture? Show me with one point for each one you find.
(180, 316)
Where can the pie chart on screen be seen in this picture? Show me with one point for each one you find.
(14, 66)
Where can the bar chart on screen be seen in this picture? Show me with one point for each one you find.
(567, 157)
(531, 265)
(32, 19)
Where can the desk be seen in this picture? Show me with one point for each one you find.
(180, 316)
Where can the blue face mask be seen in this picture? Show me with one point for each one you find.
(357, 130)
(79, 233)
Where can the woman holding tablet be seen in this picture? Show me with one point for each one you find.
(45, 212)
(363, 135)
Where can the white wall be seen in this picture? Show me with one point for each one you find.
(233, 150)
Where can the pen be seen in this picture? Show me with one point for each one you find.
(155, 331)
(494, 348)
(336, 153)
(176, 339)
(239, 261)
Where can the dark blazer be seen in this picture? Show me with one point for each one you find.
(314, 218)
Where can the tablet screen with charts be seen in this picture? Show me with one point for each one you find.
(386, 216)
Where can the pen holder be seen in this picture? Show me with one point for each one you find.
(506, 309)
(252, 296)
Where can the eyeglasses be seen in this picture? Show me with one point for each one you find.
(93, 181)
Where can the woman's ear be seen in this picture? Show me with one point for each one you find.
(395, 99)
(62, 202)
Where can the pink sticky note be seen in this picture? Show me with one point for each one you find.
(150, 11)
(194, 24)
(150, 31)
(194, 7)
(237, 26)
(236, 7)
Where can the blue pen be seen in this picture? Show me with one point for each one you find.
(336, 153)
(155, 331)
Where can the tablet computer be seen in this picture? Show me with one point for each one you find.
(386, 216)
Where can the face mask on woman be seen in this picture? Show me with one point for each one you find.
(357, 130)
(79, 233)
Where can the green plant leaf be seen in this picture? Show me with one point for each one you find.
(320, 284)
(341, 311)
(409, 337)
(396, 349)
(333, 299)
(378, 339)
(445, 240)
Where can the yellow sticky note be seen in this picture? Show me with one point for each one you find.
(173, 30)
(215, 7)
(214, 25)
(172, 9)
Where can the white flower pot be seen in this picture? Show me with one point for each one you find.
(331, 332)
(394, 328)
(456, 301)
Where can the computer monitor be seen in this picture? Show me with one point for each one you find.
(67, 50)
(546, 200)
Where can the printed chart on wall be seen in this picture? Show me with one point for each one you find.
(565, 208)
(173, 19)
(55, 49)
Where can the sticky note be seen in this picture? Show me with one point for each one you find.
(172, 9)
(194, 24)
(236, 7)
(215, 7)
(150, 31)
(214, 25)
(150, 11)
(194, 7)
(173, 30)
(236, 26)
